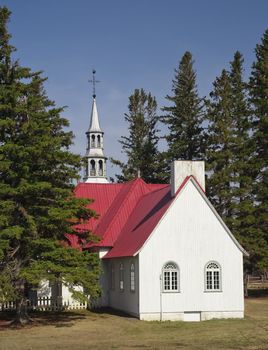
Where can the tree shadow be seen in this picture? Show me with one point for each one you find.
(43, 318)
(258, 293)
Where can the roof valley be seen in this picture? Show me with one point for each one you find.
(112, 224)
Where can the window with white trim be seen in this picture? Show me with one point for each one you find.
(112, 276)
(212, 276)
(170, 277)
(132, 277)
(121, 277)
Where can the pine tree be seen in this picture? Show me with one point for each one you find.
(37, 205)
(220, 141)
(140, 146)
(231, 161)
(184, 118)
(259, 99)
(242, 221)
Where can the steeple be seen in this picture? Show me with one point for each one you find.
(95, 171)
(94, 121)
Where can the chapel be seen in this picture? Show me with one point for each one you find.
(166, 254)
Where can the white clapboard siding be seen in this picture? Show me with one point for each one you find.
(190, 235)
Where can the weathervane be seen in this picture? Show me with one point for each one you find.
(94, 82)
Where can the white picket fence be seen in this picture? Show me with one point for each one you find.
(46, 304)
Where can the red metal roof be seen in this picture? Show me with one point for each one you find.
(103, 196)
(128, 213)
(146, 215)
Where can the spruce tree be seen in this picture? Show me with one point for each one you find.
(231, 161)
(242, 221)
(141, 145)
(259, 99)
(37, 205)
(220, 141)
(185, 116)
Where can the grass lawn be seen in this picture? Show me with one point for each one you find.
(88, 330)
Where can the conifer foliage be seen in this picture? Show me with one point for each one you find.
(242, 221)
(220, 141)
(37, 205)
(231, 162)
(141, 145)
(259, 99)
(184, 117)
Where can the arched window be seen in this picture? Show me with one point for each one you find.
(86, 174)
(93, 141)
(170, 277)
(212, 276)
(132, 277)
(121, 277)
(100, 167)
(98, 141)
(92, 168)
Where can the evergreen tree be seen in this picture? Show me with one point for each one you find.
(242, 222)
(140, 146)
(37, 205)
(184, 118)
(220, 141)
(259, 98)
(231, 161)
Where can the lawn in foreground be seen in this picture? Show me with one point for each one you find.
(88, 330)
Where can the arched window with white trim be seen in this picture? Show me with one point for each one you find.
(170, 277)
(132, 277)
(93, 144)
(100, 168)
(121, 277)
(212, 276)
(92, 167)
(98, 141)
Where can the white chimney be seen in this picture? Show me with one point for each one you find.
(180, 169)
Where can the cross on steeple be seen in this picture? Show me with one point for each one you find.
(94, 82)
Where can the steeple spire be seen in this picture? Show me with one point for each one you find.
(94, 120)
(95, 170)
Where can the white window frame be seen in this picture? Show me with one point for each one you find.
(121, 277)
(213, 269)
(132, 277)
(170, 278)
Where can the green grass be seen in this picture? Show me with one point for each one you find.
(88, 330)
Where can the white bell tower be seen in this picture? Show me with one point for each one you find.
(95, 171)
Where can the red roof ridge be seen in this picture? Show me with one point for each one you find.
(128, 188)
(143, 197)
(197, 182)
(182, 185)
(151, 191)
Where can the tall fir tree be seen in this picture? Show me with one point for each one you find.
(220, 141)
(37, 205)
(242, 222)
(231, 161)
(141, 145)
(258, 86)
(185, 116)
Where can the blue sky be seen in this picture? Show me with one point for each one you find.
(131, 44)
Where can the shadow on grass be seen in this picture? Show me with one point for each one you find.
(105, 312)
(43, 318)
(258, 293)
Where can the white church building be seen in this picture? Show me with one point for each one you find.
(166, 253)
